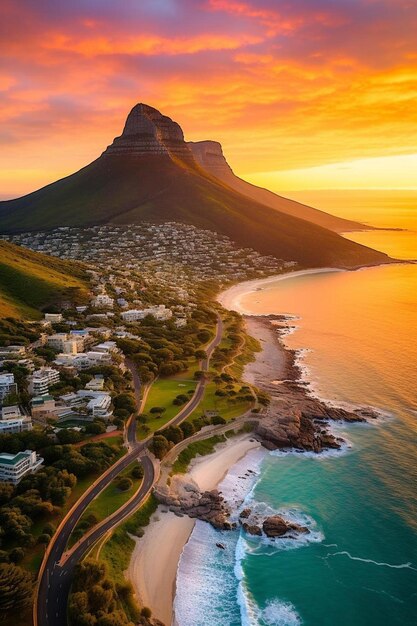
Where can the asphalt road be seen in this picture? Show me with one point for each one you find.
(55, 579)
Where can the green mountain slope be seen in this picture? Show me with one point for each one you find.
(30, 281)
(209, 155)
(149, 173)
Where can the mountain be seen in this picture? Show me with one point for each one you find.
(149, 174)
(30, 281)
(209, 155)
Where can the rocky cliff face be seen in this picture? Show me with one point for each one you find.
(149, 133)
(209, 155)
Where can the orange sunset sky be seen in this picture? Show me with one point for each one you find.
(302, 94)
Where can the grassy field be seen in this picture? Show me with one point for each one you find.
(162, 394)
(109, 500)
(227, 407)
(30, 281)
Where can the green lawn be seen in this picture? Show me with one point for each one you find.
(109, 500)
(162, 394)
(225, 406)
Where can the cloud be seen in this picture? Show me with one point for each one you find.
(283, 84)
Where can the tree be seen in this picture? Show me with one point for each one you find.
(124, 484)
(16, 555)
(137, 472)
(6, 492)
(157, 409)
(187, 429)
(160, 446)
(44, 539)
(95, 428)
(15, 587)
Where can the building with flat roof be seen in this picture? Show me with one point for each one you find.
(7, 385)
(11, 426)
(43, 408)
(42, 379)
(96, 383)
(10, 412)
(14, 466)
(54, 318)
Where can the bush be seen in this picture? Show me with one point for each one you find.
(124, 484)
(16, 555)
(44, 539)
(146, 612)
(137, 472)
(95, 428)
(15, 587)
(157, 409)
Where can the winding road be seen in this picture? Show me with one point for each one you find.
(55, 575)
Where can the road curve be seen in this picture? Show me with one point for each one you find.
(54, 581)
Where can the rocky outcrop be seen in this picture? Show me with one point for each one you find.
(149, 133)
(183, 497)
(209, 155)
(277, 526)
(294, 417)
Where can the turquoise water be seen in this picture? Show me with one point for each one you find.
(359, 565)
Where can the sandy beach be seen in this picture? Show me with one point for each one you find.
(231, 298)
(153, 565)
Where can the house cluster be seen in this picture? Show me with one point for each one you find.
(210, 255)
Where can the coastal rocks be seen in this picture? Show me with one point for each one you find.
(294, 418)
(183, 497)
(252, 529)
(277, 526)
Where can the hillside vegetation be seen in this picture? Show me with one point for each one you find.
(131, 189)
(30, 281)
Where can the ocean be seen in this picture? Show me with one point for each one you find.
(356, 333)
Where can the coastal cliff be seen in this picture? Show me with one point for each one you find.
(294, 418)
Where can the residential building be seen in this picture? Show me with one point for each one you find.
(10, 413)
(14, 466)
(42, 379)
(7, 385)
(67, 344)
(83, 360)
(106, 347)
(54, 318)
(102, 300)
(100, 406)
(43, 408)
(10, 426)
(96, 383)
(159, 312)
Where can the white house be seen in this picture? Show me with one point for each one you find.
(159, 312)
(83, 360)
(7, 385)
(14, 466)
(10, 426)
(67, 344)
(102, 300)
(10, 413)
(42, 379)
(54, 318)
(95, 384)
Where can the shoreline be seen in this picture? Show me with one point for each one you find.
(230, 297)
(154, 561)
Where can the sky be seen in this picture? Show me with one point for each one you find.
(302, 94)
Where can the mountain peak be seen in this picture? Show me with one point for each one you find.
(148, 132)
